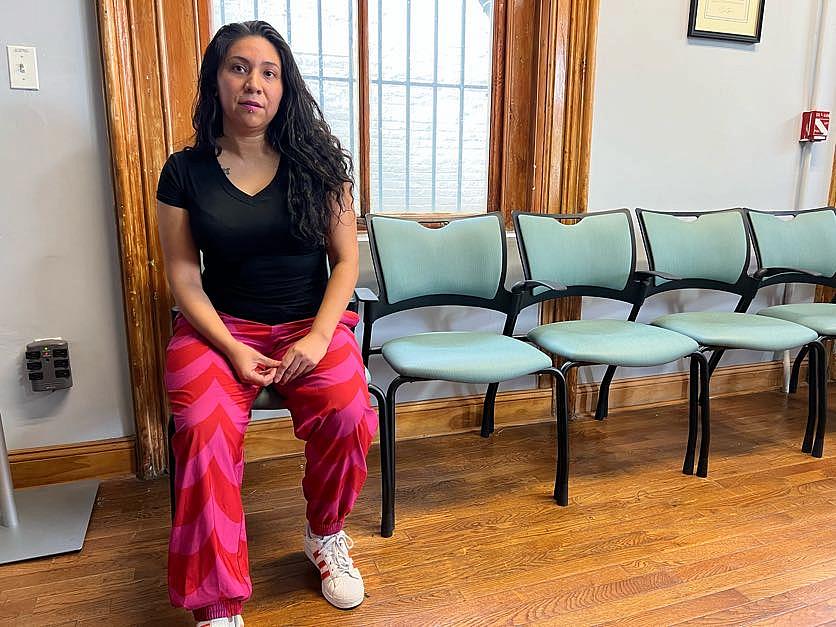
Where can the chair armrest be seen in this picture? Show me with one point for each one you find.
(644, 275)
(365, 295)
(762, 273)
(530, 284)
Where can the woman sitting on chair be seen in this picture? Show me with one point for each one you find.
(265, 194)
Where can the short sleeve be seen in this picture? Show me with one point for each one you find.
(170, 189)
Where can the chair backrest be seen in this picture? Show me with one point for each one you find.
(708, 250)
(597, 251)
(461, 263)
(805, 240)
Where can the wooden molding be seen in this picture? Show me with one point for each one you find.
(565, 90)
(825, 294)
(364, 109)
(673, 388)
(150, 55)
(118, 54)
(498, 112)
(70, 462)
(202, 11)
(831, 197)
(270, 438)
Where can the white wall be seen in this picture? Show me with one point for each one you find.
(685, 124)
(58, 246)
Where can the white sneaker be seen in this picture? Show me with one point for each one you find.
(234, 621)
(342, 584)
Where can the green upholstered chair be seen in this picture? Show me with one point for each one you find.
(800, 247)
(596, 256)
(712, 251)
(462, 263)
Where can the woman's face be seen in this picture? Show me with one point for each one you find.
(250, 84)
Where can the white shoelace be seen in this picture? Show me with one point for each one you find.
(336, 548)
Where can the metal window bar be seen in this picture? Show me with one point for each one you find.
(462, 86)
(407, 115)
(319, 52)
(351, 113)
(397, 82)
(435, 103)
(461, 112)
(380, 105)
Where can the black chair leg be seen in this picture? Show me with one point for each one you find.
(561, 410)
(171, 466)
(705, 416)
(488, 410)
(716, 356)
(693, 405)
(818, 444)
(603, 406)
(387, 459)
(796, 369)
(561, 413)
(383, 427)
(812, 399)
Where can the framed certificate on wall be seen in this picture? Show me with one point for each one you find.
(732, 20)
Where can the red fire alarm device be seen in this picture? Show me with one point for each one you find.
(814, 125)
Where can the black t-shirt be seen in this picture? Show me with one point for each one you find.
(253, 266)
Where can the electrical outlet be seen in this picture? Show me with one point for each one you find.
(48, 365)
(23, 67)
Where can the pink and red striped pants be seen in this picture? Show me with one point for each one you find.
(208, 569)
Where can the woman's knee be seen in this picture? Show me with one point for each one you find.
(357, 416)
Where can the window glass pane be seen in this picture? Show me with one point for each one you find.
(430, 68)
(429, 92)
(323, 37)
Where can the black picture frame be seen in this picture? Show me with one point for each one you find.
(704, 34)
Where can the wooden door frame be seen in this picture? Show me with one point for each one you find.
(541, 120)
(146, 47)
(825, 294)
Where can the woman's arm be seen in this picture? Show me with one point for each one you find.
(182, 264)
(344, 259)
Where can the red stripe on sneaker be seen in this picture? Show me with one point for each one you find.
(326, 574)
(316, 554)
(321, 564)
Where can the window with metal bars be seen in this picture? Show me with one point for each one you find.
(421, 96)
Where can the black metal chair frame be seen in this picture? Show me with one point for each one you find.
(504, 301)
(634, 294)
(745, 287)
(817, 374)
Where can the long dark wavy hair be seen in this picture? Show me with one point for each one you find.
(318, 166)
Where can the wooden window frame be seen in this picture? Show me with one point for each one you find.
(497, 115)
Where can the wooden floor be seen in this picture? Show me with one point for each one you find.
(479, 540)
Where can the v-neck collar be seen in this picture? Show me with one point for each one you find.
(243, 196)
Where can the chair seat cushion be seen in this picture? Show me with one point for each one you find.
(821, 317)
(737, 330)
(612, 342)
(269, 398)
(463, 356)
